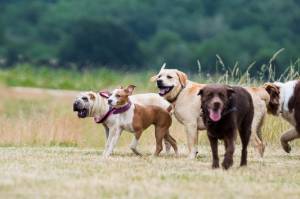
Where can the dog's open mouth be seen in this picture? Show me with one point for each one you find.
(82, 113)
(214, 115)
(163, 90)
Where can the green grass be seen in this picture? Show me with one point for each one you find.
(69, 79)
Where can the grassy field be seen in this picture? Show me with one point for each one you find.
(60, 172)
(47, 152)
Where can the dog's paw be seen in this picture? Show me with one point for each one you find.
(286, 147)
(215, 165)
(227, 163)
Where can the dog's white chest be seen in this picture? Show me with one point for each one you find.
(125, 119)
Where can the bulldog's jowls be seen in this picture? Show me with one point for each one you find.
(285, 101)
(226, 110)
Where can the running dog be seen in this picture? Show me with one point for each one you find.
(285, 101)
(226, 110)
(95, 104)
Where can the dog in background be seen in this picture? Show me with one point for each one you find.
(95, 104)
(285, 101)
(226, 110)
(175, 87)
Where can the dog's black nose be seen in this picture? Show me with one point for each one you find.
(159, 82)
(216, 105)
(109, 101)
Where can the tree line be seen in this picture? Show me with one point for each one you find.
(138, 35)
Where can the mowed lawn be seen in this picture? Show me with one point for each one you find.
(58, 172)
(47, 152)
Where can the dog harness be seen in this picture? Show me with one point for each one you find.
(111, 110)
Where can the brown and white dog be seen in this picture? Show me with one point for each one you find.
(226, 110)
(95, 104)
(136, 118)
(285, 101)
(175, 87)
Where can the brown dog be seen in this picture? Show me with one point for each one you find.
(224, 111)
(136, 118)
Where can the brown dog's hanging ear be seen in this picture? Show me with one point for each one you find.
(182, 77)
(270, 86)
(200, 92)
(130, 89)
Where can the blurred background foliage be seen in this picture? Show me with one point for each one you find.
(141, 35)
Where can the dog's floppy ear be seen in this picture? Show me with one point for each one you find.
(130, 89)
(182, 77)
(92, 96)
(270, 86)
(200, 92)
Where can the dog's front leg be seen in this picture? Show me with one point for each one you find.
(192, 137)
(288, 136)
(214, 150)
(229, 150)
(112, 140)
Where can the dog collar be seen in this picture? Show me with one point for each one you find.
(112, 111)
(175, 98)
(122, 109)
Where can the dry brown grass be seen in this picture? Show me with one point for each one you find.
(82, 173)
(38, 118)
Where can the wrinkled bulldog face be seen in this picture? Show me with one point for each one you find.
(214, 99)
(119, 97)
(169, 82)
(83, 104)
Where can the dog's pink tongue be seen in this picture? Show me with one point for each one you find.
(215, 115)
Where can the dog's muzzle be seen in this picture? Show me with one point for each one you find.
(163, 89)
(79, 108)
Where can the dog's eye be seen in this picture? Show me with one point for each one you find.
(85, 99)
(118, 96)
(169, 77)
(159, 76)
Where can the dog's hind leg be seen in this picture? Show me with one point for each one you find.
(288, 136)
(159, 135)
(245, 133)
(167, 145)
(134, 143)
(192, 137)
(172, 142)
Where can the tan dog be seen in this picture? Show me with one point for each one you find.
(136, 118)
(92, 104)
(175, 87)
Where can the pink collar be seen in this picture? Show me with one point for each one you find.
(111, 109)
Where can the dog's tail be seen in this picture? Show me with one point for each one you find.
(261, 93)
